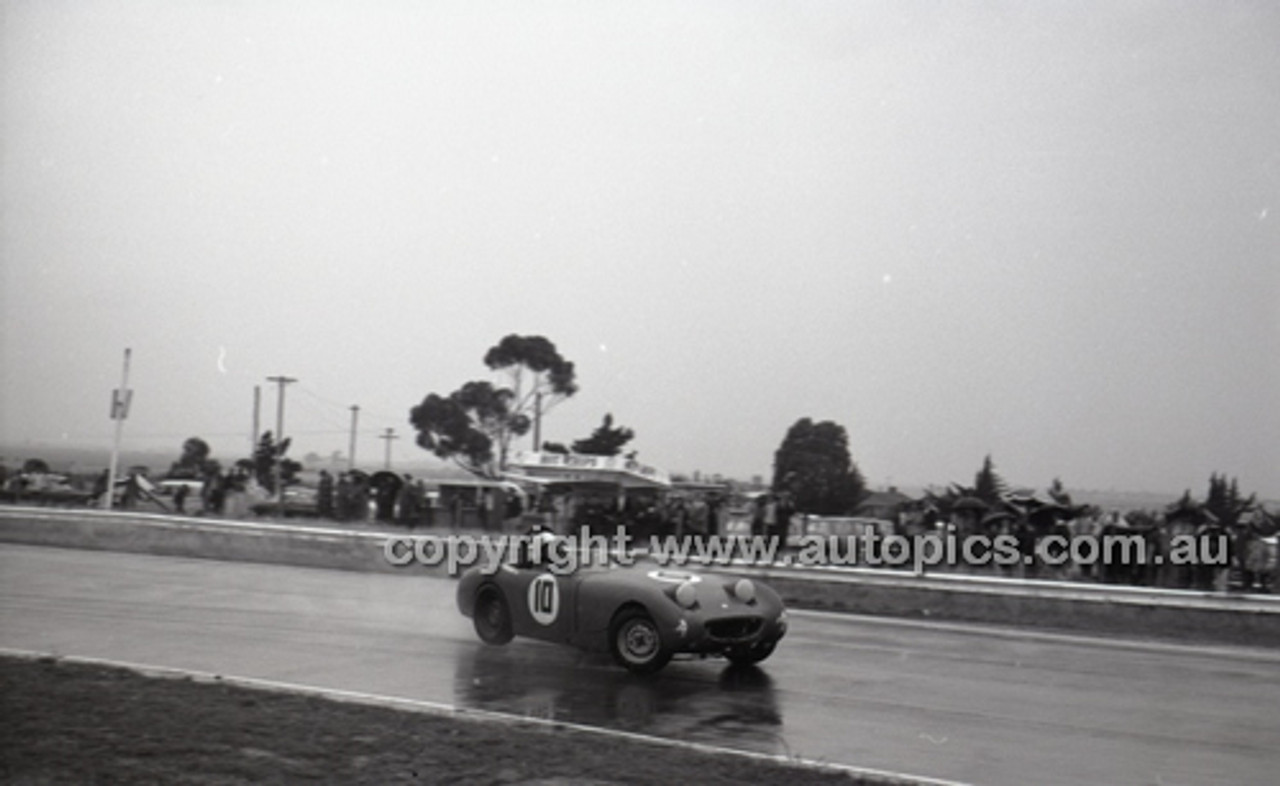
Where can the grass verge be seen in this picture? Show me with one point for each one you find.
(63, 722)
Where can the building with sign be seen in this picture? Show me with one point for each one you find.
(576, 490)
(581, 468)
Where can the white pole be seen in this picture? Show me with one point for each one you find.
(389, 435)
(351, 458)
(257, 407)
(119, 411)
(281, 381)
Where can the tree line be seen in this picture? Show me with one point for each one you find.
(475, 426)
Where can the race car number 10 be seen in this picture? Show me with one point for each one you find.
(544, 599)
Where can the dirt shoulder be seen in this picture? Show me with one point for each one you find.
(64, 722)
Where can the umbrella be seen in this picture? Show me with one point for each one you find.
(385, 479)
(1261, 524)
(969, 503)
(997, 517)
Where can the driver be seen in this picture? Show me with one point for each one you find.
(541, 545)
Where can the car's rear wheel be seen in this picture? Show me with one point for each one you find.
(637, 643)
(492, 617)
(745, 656)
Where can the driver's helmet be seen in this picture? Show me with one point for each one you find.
(542, 542)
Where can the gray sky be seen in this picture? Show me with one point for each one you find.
(1045, 231)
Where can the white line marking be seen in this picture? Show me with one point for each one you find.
(439, 708)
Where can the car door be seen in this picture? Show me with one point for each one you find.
(542, 603)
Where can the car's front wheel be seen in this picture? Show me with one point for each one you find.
(745, 656)
(492, 617)
(636, 642)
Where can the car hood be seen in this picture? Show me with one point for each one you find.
(715, 592)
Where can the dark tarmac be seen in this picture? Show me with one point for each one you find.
(967, 703)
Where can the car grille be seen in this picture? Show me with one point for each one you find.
(734, 628)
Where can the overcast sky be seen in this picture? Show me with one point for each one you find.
(1048, 232)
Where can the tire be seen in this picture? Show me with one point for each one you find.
(636, 642)
(745, 656)
(492, 617)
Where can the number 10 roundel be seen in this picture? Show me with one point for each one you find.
(544, 599)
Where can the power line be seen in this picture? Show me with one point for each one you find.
(364, 411)
(320, 409)
(320, 398)
(337, 405)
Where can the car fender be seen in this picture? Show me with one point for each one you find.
(602, 596)
(468, 587)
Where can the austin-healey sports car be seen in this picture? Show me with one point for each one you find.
(641, 613)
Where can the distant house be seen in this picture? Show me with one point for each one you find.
(884, 504)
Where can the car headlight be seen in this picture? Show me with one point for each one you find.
(745, 591)
(687, 595)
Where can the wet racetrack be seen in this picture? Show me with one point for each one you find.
(957, 702)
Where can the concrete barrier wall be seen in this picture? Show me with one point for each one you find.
(1166, 614)
(192, 537)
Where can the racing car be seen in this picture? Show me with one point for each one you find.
(641, 613)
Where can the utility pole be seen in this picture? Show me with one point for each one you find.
(537, 422)
(388, 435)
(120, 400)
(257, 408)
(351, 453)
(281, 381)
